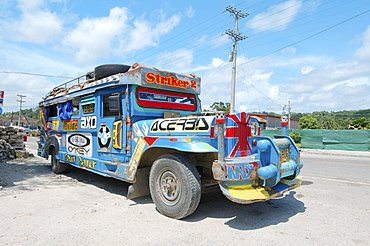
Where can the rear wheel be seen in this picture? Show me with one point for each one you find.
(57, 166)
(175, 186)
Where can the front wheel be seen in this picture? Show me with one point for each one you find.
(175, 186)
(57, 166)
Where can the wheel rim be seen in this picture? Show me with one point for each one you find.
(169, 188)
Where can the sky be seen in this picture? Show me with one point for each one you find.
(313, 54)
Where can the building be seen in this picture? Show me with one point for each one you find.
(270, 122)
(24, 121)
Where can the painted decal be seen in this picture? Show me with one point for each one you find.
(141, 130)
(104, 136)
(117, 134)
(69, 158)
(170, 81)
(242, 171)
(88, 108)
(52, 125)
(79, 143)
(134, 161)
(86, 162)
(240, 134)
(108, 79)
(88, 122)
(70, 125)
(198, 124)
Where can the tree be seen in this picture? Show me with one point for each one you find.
(296, 136)
(360, 124)
(220, 106)
(308, 122)
(328, 122)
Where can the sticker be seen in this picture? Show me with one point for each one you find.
(70, 125)
(199, 124)
(86, 162)
(69, 158)
(117, 134)
(104, 136)
(79, 143)
(88, 122)
(141, 130)
(88, 108)
(52, 125)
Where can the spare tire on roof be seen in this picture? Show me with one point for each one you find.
(103, 71)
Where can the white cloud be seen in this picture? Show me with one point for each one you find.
(146, 34)
(33, 87)
(34, 25)
(276, 17)
(306, 69)
(94, 37)
(216, 62)
(179, 60)
(29, 5)
(290, 51)
(364, 51)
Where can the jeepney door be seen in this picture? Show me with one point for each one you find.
(111, 135)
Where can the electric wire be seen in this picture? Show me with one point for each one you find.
(37, 74)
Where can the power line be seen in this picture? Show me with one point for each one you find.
(37, 74)
(209, 49)
(306, 38)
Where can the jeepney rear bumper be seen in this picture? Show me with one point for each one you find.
(246, 192)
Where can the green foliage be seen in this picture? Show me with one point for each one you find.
(360, 124)
(340, 120)
(308, 122)
(296, 136)
(220, 106)
(31, 112)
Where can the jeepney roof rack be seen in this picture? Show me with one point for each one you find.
(87, 80)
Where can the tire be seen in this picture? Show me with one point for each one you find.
(57, 166)
(109, 69)
(175, 186)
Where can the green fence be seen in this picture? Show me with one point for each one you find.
(358, 140)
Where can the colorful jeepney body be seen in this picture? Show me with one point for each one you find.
(124, 124)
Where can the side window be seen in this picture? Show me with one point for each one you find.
(88, 104)
(107, 104)
(76, 106)
(166, 100)
(52, 110)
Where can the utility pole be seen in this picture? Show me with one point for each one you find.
(235, 35)
(20, 108)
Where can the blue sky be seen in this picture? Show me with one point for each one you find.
(313, 53)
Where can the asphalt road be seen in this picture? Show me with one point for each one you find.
(332, 207)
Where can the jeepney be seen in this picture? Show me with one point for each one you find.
(145, 126)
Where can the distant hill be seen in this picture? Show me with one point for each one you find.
(32, 113)
(344, 114)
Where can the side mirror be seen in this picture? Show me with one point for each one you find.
(114, 103)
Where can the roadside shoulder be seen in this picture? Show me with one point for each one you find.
(365, 154)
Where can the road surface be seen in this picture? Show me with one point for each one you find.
(37, 207)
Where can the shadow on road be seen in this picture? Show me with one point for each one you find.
(248, 216)
(213, 204)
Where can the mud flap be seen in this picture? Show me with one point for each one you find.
(240, 192)
(141, 186)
